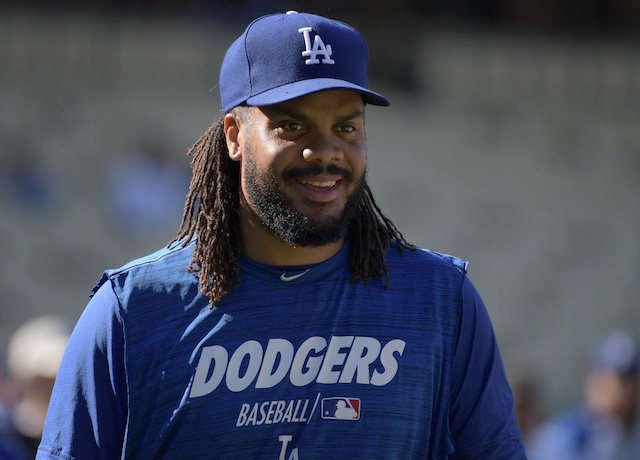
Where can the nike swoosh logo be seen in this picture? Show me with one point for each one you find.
(284, 276)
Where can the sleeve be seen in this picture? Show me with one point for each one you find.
(482, 419)
(88, 408)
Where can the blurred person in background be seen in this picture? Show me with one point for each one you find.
(26, 184)
(34, 353)
(12, 447)
(145, 190)
(607, 425)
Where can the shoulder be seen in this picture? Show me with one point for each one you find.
(175, 254)
(429, 280)
(166, 266)
(425, 260)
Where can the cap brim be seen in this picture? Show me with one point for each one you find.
(304, 87)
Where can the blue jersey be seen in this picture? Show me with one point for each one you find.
(295, 363)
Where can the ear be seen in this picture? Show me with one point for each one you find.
(232, 126)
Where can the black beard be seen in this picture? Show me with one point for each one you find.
(277, 212)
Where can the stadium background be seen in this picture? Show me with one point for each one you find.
(513, 142)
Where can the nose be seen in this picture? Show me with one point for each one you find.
(323, 149)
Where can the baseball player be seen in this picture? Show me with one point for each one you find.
(289, 319)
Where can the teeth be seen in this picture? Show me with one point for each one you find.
(329, 183)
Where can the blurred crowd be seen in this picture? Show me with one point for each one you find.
(605, 425)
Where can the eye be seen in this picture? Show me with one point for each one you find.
(347, 128)
(291, 126)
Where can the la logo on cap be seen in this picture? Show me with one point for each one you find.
(318, 48)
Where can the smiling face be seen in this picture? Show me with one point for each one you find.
(303, 165)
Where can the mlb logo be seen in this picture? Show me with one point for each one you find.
(341, 408)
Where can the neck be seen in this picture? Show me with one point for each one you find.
(262, 245)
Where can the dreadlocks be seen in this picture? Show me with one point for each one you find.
(211, 215)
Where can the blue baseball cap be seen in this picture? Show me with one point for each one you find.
(280, 57)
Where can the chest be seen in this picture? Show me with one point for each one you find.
(275, 370)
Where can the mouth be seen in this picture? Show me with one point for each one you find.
(319, 190)
(321, 184)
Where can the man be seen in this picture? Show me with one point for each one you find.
(607, 425)
(289, 319)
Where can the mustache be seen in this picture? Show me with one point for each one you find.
(314, 170)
